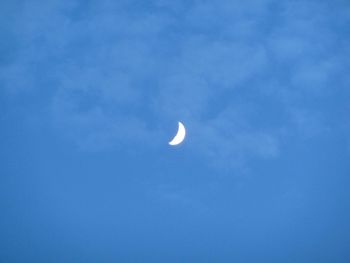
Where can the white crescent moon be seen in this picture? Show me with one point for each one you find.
(180, 135)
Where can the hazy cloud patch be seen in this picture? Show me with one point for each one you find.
(117, 68)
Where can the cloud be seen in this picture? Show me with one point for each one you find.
(119, 71)
(230, 139)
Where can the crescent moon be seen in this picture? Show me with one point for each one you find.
(180, 135)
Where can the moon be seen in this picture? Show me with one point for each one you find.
(180, 135)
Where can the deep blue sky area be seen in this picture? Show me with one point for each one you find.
(91, 93)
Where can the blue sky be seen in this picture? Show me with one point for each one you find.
(91, 92)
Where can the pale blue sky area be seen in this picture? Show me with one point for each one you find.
(91, 93)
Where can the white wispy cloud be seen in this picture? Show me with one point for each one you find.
(117, 68)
